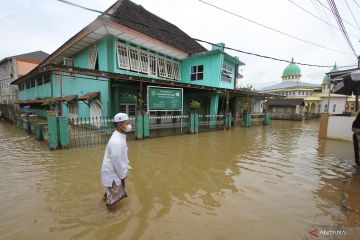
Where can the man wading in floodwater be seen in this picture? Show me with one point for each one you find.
(115, 163)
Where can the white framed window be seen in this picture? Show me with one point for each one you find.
(93, 54)
(334, 107)
(162, 67)
(123, 56)
(129, 109)
(226, 73)
(153, 65)
(325, 108)
(319, 108)
(197, 72)
(169, 69)
(68, 62)
(134, 59)
(176, 70)
(144, 62)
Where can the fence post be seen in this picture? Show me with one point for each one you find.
(53, 132)
(229, 120)
(139, 128)
(247, 119)
(196, 123)
(146, 125)
(63, 131)
(267, 118)
(213, 121)
(192, 123)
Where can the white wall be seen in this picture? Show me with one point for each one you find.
(340, 105)
(339, 127)
(257, 106)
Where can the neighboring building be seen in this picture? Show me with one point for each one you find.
(291, 85)
(103, 68)
(286, 109)
(11, 68)
(316, 97)
(336, 102)
(257, 105)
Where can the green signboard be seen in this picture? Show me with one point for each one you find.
(165, 99)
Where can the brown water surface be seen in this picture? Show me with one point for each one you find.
(275, 182)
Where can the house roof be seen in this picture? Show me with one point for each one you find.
(37, 56)
(217, 51)
(138, 18)
(89, 96)
(286, 102)
(290, 84)
(41, 100)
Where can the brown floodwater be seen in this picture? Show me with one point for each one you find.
(273, 182)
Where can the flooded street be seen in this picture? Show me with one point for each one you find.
(274, 182)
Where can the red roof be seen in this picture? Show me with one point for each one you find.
(30, 101)
(89, 96)
(66, 98)
(41, 100)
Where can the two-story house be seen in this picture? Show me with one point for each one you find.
(14, 67)
(107, 66)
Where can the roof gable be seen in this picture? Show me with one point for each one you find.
(138, 18)
(287, 102)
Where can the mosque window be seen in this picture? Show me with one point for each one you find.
(122, 56)
(93, 58)
(148, 62)
(197, 72)
(153, 65)
(134, 59)
(226, 73)
(46, 78)
(32, 83)
(162, 67)
(169, 69)
(144, 61)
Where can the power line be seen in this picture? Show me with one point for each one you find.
(351, 13)
(321, 11)
(341, 25)
(356, 3)
(188, 37)
(326, 7)
(273, 29)
(327, 23)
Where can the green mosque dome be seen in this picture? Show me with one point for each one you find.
(326, 77)
(291, 70)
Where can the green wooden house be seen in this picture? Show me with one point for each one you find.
(107, 67)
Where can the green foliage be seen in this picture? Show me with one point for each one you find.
(136, 98)
(245, 103)
(50, 101)
(195, 105)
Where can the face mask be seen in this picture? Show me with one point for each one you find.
(128, 128)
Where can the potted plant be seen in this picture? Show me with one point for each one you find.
(51, 103)
(194, 106)
(138, 101)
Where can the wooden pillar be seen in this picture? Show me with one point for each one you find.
(141, 103)
(356, 102)
(324, 121)
(227, 101)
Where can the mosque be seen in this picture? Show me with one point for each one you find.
(317, 97)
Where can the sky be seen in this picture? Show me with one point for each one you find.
(31, 25)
